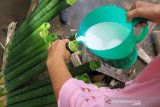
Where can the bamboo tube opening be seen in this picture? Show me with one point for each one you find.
(47, 25)
(95, 65)
(44, 33)
(71, 2)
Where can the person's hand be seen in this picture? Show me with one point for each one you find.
(58, 71)
(57, 52)
(145, 10)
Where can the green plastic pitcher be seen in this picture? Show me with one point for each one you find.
(107, 34)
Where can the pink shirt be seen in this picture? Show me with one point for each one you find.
(143, 91)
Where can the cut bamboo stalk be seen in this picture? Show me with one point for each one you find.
(28, 51)
(36, 102)
(33, 86)
(42, 26)
(27, 43)
(77, 71)
(42, 5)
(21, 79)
(85, 68)
(32, 20)
(37, 69)
(19, 62)
(75, 59)
(24, 53)
(40, 92)
(12, 53)
(51, 105)
(32, 55)
(38, 8)
(21, 69)
(48, 15)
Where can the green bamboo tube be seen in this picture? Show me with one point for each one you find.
(51, 5)
(28, 42)
(25, 59)
(26, 76)
(42, 47)
(33, 86)
(50, 105)
(47, 17)
(40, 92)
(29, 64)
(29, 50)
(25, 53)
(33, 94)
(85, 68)
(41, 5)
(35, 70)
(21, 79)
(37, 17)
(36, 31)
(44, 100)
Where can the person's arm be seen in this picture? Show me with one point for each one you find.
(69, 91)
(145, 10)
(59, 74)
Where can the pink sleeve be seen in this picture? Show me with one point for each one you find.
(75, 93)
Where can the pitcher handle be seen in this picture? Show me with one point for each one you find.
(144, 30)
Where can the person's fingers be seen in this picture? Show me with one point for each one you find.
(144, 4)
(62, 42)
(138, 12)
(133, 6)
(66, 40)
(131, 14)
(67, 55)
(54, 44)
(140, 9)
(49, 49)
(139, 4)
(136, 5)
